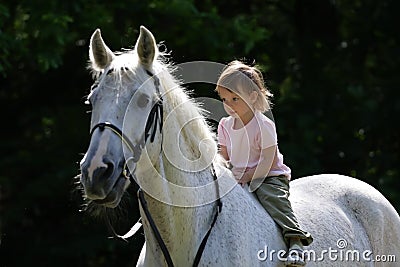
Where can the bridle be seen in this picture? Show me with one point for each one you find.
(154, 120)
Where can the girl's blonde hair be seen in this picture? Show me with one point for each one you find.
(242, 79)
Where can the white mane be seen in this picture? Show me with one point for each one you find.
(185, 119)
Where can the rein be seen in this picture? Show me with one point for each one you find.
(155, 115)
(157, 234)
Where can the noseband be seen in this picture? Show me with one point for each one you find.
(155, 118)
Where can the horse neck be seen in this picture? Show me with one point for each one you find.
(176, 204)
(181, 227)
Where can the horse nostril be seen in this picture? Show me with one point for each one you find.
(98, 186)
(102, 173)
(109, 171)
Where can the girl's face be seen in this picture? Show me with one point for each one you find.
(236, 106)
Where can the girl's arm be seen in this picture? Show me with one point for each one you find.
(263, 167)
(224, 153)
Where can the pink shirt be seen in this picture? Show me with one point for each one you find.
(244, 145)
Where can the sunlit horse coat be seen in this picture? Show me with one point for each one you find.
(351, 222)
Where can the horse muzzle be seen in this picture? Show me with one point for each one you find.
(103, 181)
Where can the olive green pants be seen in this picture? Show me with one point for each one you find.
(273, 195)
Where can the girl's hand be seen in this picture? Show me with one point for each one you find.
(246, 177)
(237, 174)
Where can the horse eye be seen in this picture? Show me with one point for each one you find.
(143, 100)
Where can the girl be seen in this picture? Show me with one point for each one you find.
(248, 140)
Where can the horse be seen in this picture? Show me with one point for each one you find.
(146, 129)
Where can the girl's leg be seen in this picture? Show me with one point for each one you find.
(273, 194)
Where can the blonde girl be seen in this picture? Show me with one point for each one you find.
(248, 141)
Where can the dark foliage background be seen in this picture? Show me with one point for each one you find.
(332, 65)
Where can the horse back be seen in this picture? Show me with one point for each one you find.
(336, 208)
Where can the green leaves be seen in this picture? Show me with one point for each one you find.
(332, 66)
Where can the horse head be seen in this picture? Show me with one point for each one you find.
(125, 87)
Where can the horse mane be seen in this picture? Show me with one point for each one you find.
(193, 128)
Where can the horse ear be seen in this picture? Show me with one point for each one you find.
(100, 55)
(146, 47)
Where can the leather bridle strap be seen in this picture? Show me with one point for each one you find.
(218, 211)
(157, 234)
(116, 130)
(156, 113)
(154, 228)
